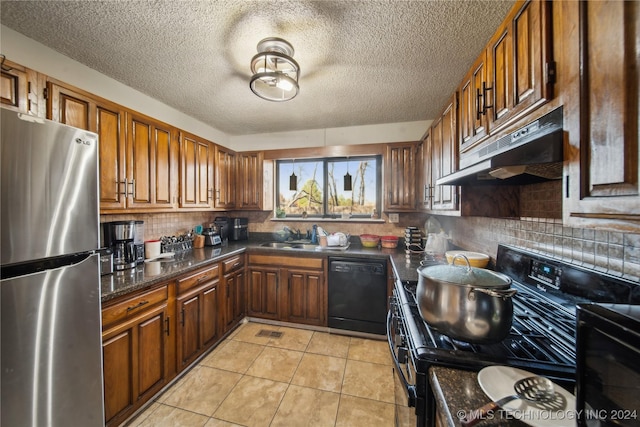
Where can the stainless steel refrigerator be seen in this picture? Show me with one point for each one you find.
(51, 354)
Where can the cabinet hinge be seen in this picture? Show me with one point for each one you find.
(551, 72)
(45, 93)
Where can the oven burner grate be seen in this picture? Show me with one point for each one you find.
(534, 337)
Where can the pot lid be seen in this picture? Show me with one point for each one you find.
(465, 275)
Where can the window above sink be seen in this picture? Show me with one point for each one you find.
(317, 188)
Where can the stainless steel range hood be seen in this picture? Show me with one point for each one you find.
(531, 154)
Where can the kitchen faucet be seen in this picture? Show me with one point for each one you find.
(292, 233)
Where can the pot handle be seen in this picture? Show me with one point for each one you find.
(453, 261)
(501, 293)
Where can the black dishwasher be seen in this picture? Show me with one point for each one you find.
(358, 295)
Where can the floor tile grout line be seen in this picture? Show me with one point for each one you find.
(235, 336)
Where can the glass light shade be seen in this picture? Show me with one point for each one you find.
(275, 73)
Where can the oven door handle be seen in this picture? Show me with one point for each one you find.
(411, 389)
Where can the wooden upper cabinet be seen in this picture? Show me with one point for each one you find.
(521, 71)
(399, 175)
(225, 178)
(152, 162)
(70, 107)
(473, 124)
(605, 189)
(249, 190)
(496, 96)
(20, 89)
(110, 119)
(512, 76)
(444, 157)
(196, 171)
(79, 109)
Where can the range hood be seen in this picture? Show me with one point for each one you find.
(531, 154)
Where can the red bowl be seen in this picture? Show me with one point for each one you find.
(389, 242)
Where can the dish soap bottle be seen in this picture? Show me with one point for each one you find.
(314, 234)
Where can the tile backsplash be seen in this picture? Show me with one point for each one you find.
(612, 252)
(166, 224)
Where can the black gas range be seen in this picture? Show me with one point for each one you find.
(542, 338)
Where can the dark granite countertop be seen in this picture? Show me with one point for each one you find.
(150, 273)
(457, 393)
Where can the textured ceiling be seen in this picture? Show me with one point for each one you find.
(362, 62)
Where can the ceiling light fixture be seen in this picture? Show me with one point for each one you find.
(275, 72)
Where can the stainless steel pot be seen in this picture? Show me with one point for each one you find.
(465, 303)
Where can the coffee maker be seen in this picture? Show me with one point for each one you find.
(119, 236)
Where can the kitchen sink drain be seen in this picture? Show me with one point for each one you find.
(268, 333)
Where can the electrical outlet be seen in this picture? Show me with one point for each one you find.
(394, 218)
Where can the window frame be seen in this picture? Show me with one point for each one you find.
(325, 191)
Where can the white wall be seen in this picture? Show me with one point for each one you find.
(34, 55)
(372, 134)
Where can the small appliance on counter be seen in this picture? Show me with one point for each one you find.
(138, 241)
(212, 235)
(239, 229)
(223, 223)
(119, 236)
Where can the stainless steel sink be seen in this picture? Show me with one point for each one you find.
(307, 246)
(288, 245)
(276, 245)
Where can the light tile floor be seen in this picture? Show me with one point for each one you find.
(303, 378)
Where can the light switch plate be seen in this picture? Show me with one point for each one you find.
(394, 218)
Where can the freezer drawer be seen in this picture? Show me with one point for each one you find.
(51, 355)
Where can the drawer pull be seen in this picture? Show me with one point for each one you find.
(236, 265)
(140, 304)
(202, 279)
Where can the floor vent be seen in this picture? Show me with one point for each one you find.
(270, 334)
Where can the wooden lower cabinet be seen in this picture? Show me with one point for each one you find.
(150, 336)
(263, 292)
(135, 353)
(198, 309)
(198, 317)
(306, 292)
(233, 291)
(289, 289)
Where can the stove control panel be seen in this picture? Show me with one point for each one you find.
(546, 273)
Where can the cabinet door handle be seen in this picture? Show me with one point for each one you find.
(218, 195)
(485, 89)
(140, 304)
(166, 322)
(210, 194)
(118, 184)
(182, 313)
(133, 188)
(479, 111)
